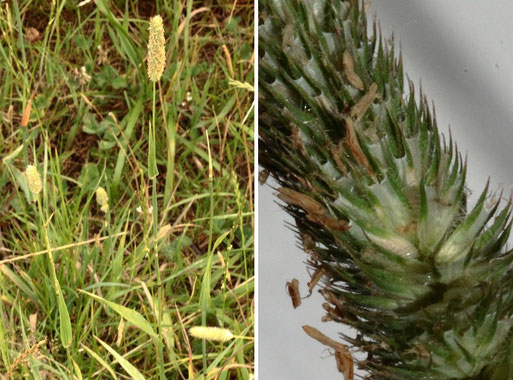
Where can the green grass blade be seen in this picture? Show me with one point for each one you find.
(64, 320)
(133, 117)
(129, 368)
(101, 361)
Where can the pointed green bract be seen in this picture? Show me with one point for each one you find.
(424, 278)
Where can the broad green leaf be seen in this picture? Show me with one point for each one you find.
(64, 320)
(119, 82)
(130, 315)
(106, 145)
(91, 125)
(89, 177)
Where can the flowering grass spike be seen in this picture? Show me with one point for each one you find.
(102, 199)
(34, 179)
(211, 333)
(379, 200)
(156, 49)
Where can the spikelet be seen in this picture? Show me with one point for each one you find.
(34, 179)
(156, 50)
(102, 199)
(211, 333)
(23, 357)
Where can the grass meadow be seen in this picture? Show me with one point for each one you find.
(106, 284)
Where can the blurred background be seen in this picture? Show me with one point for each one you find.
(462, 53)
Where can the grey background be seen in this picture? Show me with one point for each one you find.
(463, 52)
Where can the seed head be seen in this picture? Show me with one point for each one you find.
(102, 199)
(34, 179)
(156, 50)
(211, 333)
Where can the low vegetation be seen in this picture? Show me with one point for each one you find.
(106, 268)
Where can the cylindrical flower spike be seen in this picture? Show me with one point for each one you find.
(211, 333)
(156, 49)
(34, 179)
(102, 199)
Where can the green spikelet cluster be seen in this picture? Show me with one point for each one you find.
(379, 199)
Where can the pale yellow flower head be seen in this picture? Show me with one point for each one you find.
(211, 333)
(156, 49)
(34, 179)
(102, 199)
